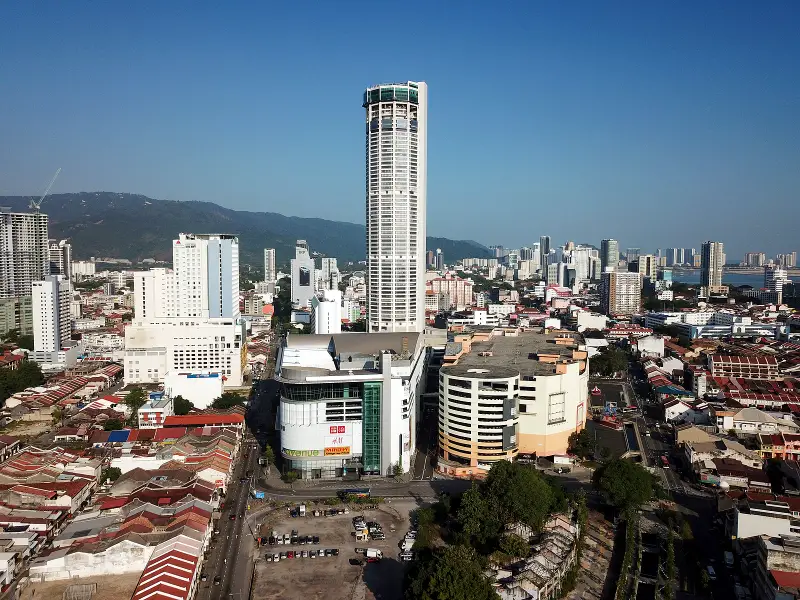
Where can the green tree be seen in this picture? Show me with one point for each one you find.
(608, 362)
(27, 375)
(57, 415)
(112, 424)
(453, 573)
(521, 493)
(228, 400)
(110, 473)
(624, 484)
(397, 470)
(268, 455)
(581, 444)
(181, 405)
(515, 546)
(476, 520)
(290, 476)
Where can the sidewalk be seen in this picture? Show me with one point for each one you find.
(273, 481)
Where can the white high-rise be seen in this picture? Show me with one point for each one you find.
(24, 252)
(51, 318)
(303, 275)
(270, 274)
(187, 319)
(396, 200)
(712, 261)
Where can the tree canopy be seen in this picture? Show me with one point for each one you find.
(112, 425)
(110, 473)
(134, 401)
(12, 336)
(228, 400)
(28, 374)
(608, 362)
(581, 444)
(453, 573)
(181, 406)
(624, 484)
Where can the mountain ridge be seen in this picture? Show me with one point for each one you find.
(135, 227)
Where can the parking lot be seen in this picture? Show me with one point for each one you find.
(333, 577)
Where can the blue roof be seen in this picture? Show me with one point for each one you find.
(674, 390)
(121, 435)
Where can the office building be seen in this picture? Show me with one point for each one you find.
(61, 258)
(712, 260)
(544, 251)
(329, 275)
(349, 402)
(270, 272)
(303, 275)
(326, 312)
(609, 255)
(16, 314)
(396, 196)
(430, 259)
(648, 266)
(494, 405)
(24, 252)
(83, 269)
(620, 293)
(439, 260)
(774, 280)
(187, 319)
(632, 254)
(206, 271)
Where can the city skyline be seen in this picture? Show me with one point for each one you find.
(662, 121)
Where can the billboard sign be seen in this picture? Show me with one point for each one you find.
(338, 451)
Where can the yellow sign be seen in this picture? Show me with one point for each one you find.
(288, 452)
(339, 450)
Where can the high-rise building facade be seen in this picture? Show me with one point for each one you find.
(439, 260)
(61, 258)
(648, 266)
(187, 319)
(206, 271)
(609, 255)
(51, 317)
(270, 272)
(17, 314)
(711, 262)
(396, 198)
(755, 259)
(774, 280)
(620, 293)
(24, 252)
(544, 251)
(788, 259)
(632, 254)
(329, 274)
(303, 275)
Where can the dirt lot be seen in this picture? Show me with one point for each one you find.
(334, 578)
(27, 428)
(109, 587)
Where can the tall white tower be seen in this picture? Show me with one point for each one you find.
(24, 252)
(396, 194)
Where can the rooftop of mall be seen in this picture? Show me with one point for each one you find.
(504, 352)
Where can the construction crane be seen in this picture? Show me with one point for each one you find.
(36, 206)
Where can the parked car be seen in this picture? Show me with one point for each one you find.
(304, 554)
(268, 557)
(355, 562)
(312, 554)
(203, 576)
(335, 552)
(217, 580)
(315, 539)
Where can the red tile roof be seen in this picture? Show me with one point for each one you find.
(745, 360)
(786, 579)
(204, 419)
(168, 576)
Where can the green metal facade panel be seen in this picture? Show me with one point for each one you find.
(371, 427)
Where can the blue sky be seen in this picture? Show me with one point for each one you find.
(659, 124)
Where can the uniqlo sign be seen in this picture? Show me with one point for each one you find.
(335, 429)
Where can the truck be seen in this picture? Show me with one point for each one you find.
(407, 544)
(258, 495)
(373, 554)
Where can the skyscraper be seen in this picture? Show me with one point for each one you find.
(620, 293)
(270, 273)
(439, 260)
(774, 280)
(61, 258)
(329, 274)
(206, 268)
(609, 254)
(544, 250)
(24, 252)
(711, 263)
(303, 275)
(396, 196)
(51, 318)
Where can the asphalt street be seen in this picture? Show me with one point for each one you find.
(233, 540)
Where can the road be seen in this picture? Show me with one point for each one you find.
(234, 538)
